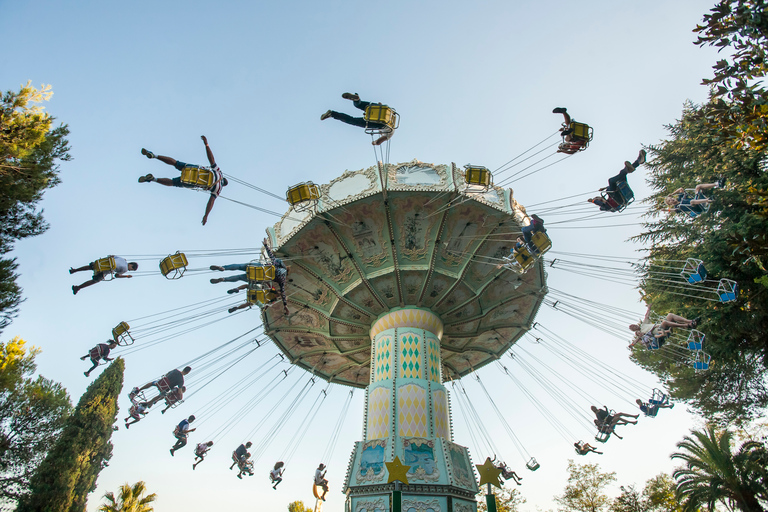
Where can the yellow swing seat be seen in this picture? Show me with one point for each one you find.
(264, 297)
(378, 113)
(106, 265)
(260, 272)
(175, 264)
(202, 178)
(581, 132)
(302, 193)
(121, 335)
(478, 175)
(523, 258)
(541, 241)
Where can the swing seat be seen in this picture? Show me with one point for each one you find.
(121, 335)
(581, 132)
(303, 195)
(602, 437)
(173, 266)
(694, 271)
(201, 178)
(532, 464)
(384, 114)
(262, 297)
(653, 410)
(260, 272)
(701, 360)
(658, 398)
(694, 211)
(727, 290)
(478, 175)
(541, 241)
(107, 266)
(173, 403)
(95, 354)
(695, 340)
(522, 259)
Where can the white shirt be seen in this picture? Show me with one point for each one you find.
(121, 266)
(319, 477)
(275, 473)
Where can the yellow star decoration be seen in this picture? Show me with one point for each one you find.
(489, 474)
(397, 471)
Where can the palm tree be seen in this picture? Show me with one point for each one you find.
(713, 474)
(130, 499)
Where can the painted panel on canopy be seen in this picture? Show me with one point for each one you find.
(466, 361)
(415, 175)
(412, 283)
(350, 344)
(465, 328)
(362, 297)
(306, 288)
(327, 363)
(439, 284)
(504, 289)
(414, 228)
(386, 288)
(483, 268)
(344, 329)
(351, 185)
(497, 341)
(318, 250)
(298, 343)
(357, 375)
(516, 311)
(458, 295)
(364, 230)
(466, 225)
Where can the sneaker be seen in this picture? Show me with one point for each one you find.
(721, 182)
(171, 452)
(147, 154)
(325, 116)
(83, 358)
(567, 132)
(233, 290)
(74, 290)
(559, 110)
(641, 157)
(231, 310)
(240, 477)
(216, 280)
(351, 96)
(127, 426)
(216, 267)
(193, 467)
(146, 179)
(695, 321)
(71, 270)
(628, 167)
(86, 374)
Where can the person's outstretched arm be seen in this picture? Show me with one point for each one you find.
(208, 208)
(208, 152)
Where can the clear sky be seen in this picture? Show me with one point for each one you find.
(473, 81)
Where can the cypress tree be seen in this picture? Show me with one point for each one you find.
(68, 473)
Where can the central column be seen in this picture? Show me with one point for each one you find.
(407, 415)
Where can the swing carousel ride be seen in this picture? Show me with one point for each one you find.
(400, 279)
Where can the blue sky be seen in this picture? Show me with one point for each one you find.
(473, 82)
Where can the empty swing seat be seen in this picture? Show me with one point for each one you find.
(695, 340)
(173, 266)
(602, 436)
(727, 290)
(260, 272)
(202, 178)
(121, 335)
(378, 113)
(478, 175)
(701, 360)
(532, 464)
(306, 192)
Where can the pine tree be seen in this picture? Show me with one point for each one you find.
(69, 472)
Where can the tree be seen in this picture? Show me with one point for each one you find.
(740, 102)
(584, 491)
(68, 473)
(630, 500)
(507, 500)
(130, 499)
(713, 474)
(734, 388)
(659, 493)
(30, 152)
(32, 411)
(298, 506)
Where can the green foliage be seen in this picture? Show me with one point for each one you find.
(507, 500)
(734, 388)
(130, 499)
(630, 500)
(298, 506)
(713, 474)
(740, 102)
(584, 491)
(30, 149)
(69, 471)
(32, 411)
(659, 494)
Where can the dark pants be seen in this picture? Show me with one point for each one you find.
(529, 230)
(622, 176)
(357, 121)
(180, 443)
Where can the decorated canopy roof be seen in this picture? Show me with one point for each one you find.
(401, 234)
